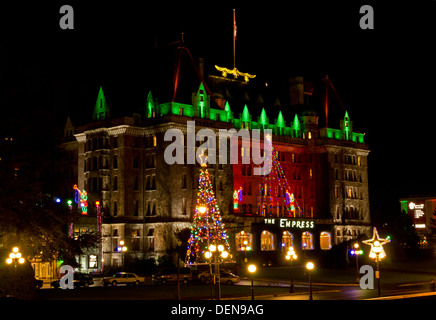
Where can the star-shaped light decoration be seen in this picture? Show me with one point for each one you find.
(376, 244)
(203, 158)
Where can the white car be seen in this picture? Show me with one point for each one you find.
(225, 277)
(124, 278)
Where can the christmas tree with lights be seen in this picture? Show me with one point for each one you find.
(276, 198)
(208, 238)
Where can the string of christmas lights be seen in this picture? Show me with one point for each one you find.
(275, 192)
(207, 227)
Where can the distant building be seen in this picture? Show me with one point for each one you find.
(421, 209)
(145, 201)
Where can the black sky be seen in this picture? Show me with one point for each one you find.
(385, 77)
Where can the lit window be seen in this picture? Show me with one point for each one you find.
(154, 141)
(309, 135)
(307, 241)
(310, 174)
(325, 240)
(287, 240)
(92, 261)
(267, 241)
(244, 241)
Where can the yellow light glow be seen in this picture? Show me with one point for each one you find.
(18, 255)
(310, 266)
(12, 255)
(224, 254)
(15, 249)
(122, 243)
(252, 268)
(21, 260)
(294, 257)
(288, 257)
(356, 245)
(208, 254)
(202, 209)
(220, 247)
(212, 248)
(8, 261)
(124, 248)
(376, 243)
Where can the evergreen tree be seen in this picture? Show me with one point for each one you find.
(207, 228)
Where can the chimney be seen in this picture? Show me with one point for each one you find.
(296, 90)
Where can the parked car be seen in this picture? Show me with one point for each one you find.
(39, 283)
(124, 278)
(80, 280)
(170, 275)
(202, 276)
(225, 277)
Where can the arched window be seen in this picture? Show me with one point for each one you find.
(307, 241)
(244, 241)
(325, 240)
(287, 240)
(267, 240)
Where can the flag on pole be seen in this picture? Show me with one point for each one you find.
(234, 24)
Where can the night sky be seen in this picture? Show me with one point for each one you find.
(385, 77)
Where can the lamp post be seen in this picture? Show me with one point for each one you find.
(310, 266)
(290, 255)
(123, 249)
(218, 251)
(356, 246)
(252, 270)
(377, 252)
(16, 258)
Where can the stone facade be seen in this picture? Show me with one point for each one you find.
(146, 201)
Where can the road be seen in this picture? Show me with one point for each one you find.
(264, 290)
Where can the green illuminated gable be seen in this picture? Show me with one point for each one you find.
(151, 108)
(245, 115)
(101, 109)
(296, 128)
(280, 121)
(347, 130)
(263, 120)
(201, 101)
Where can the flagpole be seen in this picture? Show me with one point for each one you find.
(234, 39)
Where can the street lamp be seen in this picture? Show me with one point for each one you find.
(310, 266)
(224, 254)
(356, 247)
(252, 270)
(123, 249)
(377, 252)
(290, 255)
(16, 258)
